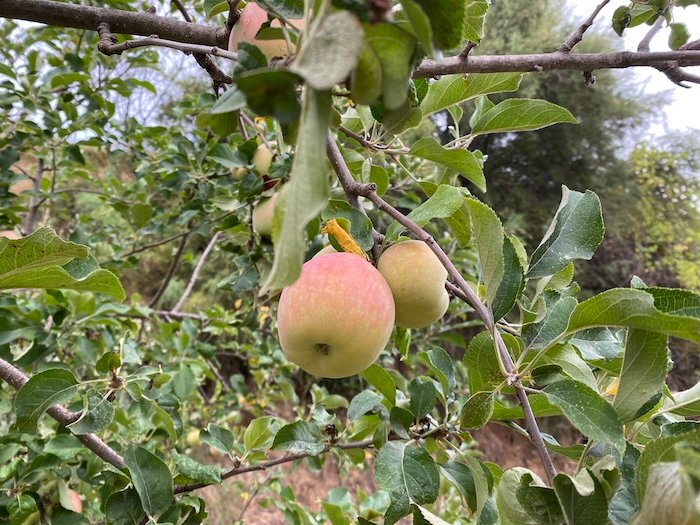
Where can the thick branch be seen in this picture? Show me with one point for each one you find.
(552, 61)
(17, 379)
(577, 35)
(126, 22)
(465, 292)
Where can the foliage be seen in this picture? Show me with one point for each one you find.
(147, 199)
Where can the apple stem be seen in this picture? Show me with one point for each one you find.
(354, 190)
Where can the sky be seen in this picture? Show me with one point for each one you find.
(683, 112)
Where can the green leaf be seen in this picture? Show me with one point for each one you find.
(44, 260)
(365, 401)
(588, 412)
(218, 437)
(676, 301)
(453, 89)
(474, 22)
(673, 499)
(447, 20)
(509, 505)
(539, 403)
(124, 508)
(420, 24)
(214, 7)
(476, 411)
(597, 344)
(400, 420)
(539, 502)
(483, 371)
(286, 8)
(488, 233)
(360, 225)
(662, 449)
(380, 379)
(409, 475)
(538, 335)
(575, 233)
(423, 397)
(470, 480)
(271, 93)
(512, 283)
(306, 193)
(521, 114)
(623, 504)
(22, 510)
(42, 391)
(151, 479)
(566, 358)
(582, 504)
(621, 19)
(445, 202)
(679, 35)
(633, 309)
(461, 160)
(644, 369)
(97, 414)
(298, 438)
(331, 51)
(232, 100)
(394, 48)
(440, 363)
(260, 433)
(687, 402)
(196, 471)
(366, 79)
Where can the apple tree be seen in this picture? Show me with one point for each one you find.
(150, 225)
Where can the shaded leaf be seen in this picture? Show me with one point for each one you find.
(151, 479)
(42, 391)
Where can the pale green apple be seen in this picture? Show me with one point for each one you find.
(262, 158)
(417, 281)
(337, 317)
(262, 216)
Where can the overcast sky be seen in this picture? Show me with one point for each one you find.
(684, 110)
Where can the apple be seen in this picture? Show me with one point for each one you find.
(262, 216)
(75, 501)
(417, 281)
(238, 173)
(252, 17)
(9, 234)
(262, 158)
(325, 251)
(337, 317)
(192, 438)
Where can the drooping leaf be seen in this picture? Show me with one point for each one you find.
(306, 193)
(260, 433)
(587, 411)
(488, 233)
(554, 324)
(575, 233)
(151, 479)
(286, 8)
(124, 508)
(271, 93)
(42, 391)
(461, 160)
(420, 24)
(644, 369)
(476, 411)
(483, 371)
(365, 401)
(447, 20)
(423, 397)
(366, 81)
(380, 379)
(623, 505)
(218, 437)
(589, 508)
(509, 506)
(470, 479)
(453, 89)
(44, 260)
(331, 51)
(474, 22)
(673, 498)
(512, 283)
(409, 475)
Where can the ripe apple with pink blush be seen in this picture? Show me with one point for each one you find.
(249, 22)
(337, 317)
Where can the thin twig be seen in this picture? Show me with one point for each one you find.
(116, 49)
(645, 43)
(15, 378)
(195, 273)
(368, 191)
(171, 271)
(357, 137)
(577, 35)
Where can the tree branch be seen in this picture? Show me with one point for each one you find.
(577, 35)
(197, 49)
(552, 61)
(195, 273)
(17, 379)
(645, 43)
(127, 22)
(171, 271)
(353, 188)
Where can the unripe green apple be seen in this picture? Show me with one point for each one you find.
(238, 173)
(247, 26)
(337, 317)
(262, 216)
(262, 158)
(192, 438)
(417, 281)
